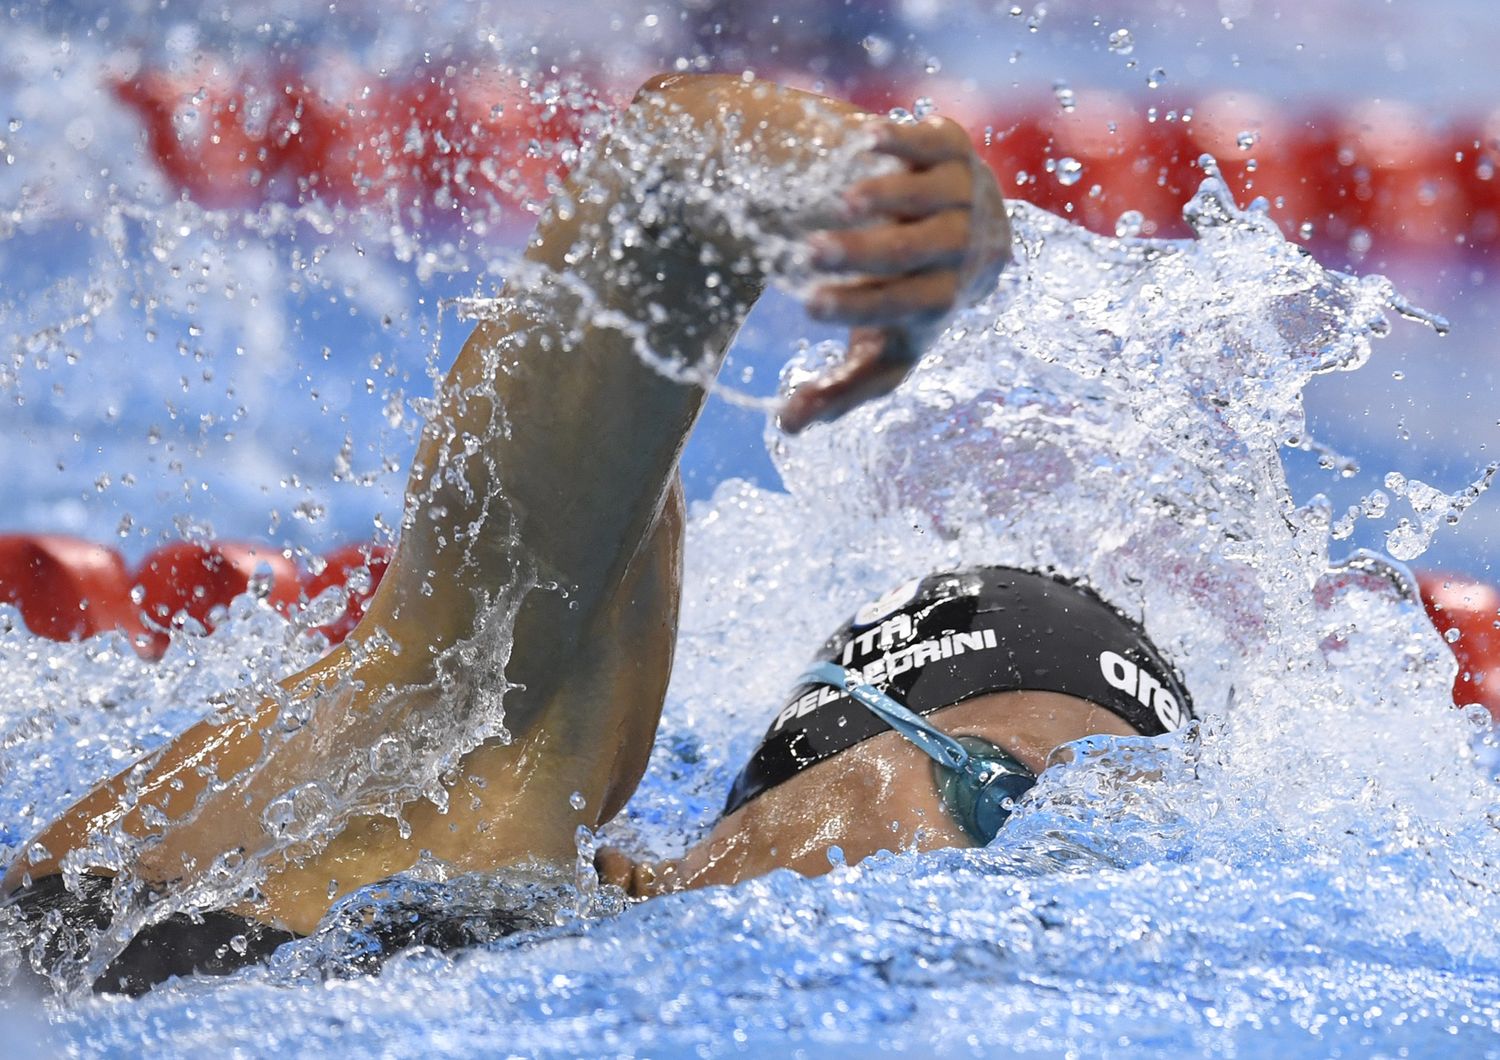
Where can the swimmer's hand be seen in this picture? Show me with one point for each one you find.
(933, 241)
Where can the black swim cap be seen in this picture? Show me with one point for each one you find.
(939, 640)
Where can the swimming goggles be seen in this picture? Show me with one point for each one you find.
(978, 781)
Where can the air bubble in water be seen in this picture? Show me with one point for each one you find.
(1157, 77)
(1246, 139)
(1121, 42)
(1067, 99)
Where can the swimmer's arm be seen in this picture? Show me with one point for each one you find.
(581, 439)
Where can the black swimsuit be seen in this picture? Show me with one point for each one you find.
(216, 944)
(365, 929)
(939, 640)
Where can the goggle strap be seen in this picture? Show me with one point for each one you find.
(935, 744)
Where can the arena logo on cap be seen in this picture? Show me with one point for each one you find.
(1139, 682)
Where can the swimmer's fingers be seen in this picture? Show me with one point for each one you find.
(638, 879)
(935, 242)
(615, 867)
(919, 299)
(925, 143)
(909, 195)
(877, 362)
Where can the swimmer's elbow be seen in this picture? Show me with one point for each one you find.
(658, 85)
(679, 88)
(709, 97)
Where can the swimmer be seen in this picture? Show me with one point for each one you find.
(557, 447)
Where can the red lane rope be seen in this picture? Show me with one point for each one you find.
(240, 135)
(68, 589)
(1467, 613)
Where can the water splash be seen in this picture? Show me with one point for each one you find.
(1432, 508)
(1301, 872)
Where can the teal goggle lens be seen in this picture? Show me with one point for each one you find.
(981, 795)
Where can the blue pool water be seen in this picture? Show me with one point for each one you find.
(1310, 873)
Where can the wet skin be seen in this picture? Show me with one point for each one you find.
(878, 795)
(555, 451)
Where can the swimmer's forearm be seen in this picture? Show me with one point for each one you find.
(580, 437)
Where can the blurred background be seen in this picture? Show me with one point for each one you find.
(230, 233)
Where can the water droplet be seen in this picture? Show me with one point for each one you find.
(878, 49)
(1156, 78)
(1406, 541)
(1129, 224)
(1247, 139)
(1452, 636)
(1121, 42)
(1069, 171)
(1067, 99)
(576, 800)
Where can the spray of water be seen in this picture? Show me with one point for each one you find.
(1116, 411)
